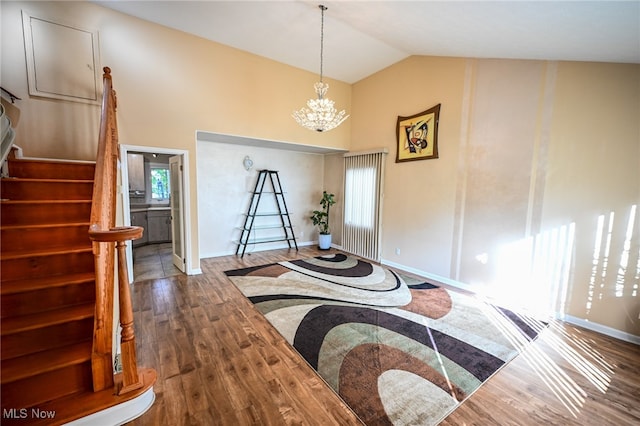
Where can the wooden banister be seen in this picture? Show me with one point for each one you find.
(131, 379)
(105, 239)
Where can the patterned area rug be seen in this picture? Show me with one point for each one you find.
(397, 350)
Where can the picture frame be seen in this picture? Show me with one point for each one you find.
(417, 135)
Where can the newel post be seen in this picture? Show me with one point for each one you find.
(131, 379)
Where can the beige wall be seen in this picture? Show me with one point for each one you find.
(593, 180)
(418, 208)
(334, 184)
(534, 155)
(169, 85)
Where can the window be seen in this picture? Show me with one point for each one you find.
(160, 183)
(363, 178)
(361, 196)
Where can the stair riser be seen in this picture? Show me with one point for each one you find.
(42, 266)
(40, 213)
(55, 336)
(51, 170)
(44, 387)
(46, 190)
(19, 239)
(46, 299)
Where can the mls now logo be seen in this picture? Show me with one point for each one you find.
(23, 413)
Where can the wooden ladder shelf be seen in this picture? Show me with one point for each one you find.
(254, 212)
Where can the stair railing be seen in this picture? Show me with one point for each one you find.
(106, 238)
(7, 136)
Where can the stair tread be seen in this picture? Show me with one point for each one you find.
(42, 362)
(32, 284)
(52, 161)
(45, 252)
(48, 318)
(46, 201)
(40, 180)
(46, 225)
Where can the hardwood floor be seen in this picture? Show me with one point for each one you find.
(220, 362)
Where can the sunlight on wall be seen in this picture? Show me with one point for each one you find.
(533, 273)
(601, 258)
(536, 274)
(624, 258)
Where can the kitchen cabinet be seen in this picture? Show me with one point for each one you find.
(159, 222)
(140, 219)
(135, 167)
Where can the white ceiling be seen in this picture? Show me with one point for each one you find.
(363, 37)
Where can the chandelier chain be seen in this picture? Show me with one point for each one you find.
(322, 8)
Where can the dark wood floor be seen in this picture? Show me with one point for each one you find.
(220, 362)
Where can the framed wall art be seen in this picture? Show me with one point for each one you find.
(417, 135)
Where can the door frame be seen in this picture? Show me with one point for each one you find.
(178, 261)
(186, 205)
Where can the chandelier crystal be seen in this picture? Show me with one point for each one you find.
(320, 114)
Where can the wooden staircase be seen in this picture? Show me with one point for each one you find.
(47, 282)
(57, 258)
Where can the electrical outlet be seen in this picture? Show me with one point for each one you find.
(398, 251)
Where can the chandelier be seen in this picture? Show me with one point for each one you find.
(320, 114)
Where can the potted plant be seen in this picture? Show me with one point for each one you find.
(321, 219)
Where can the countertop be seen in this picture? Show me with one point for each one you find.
(137, 208)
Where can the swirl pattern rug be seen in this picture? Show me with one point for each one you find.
(397, 350)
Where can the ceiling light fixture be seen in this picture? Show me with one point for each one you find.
(320, 114)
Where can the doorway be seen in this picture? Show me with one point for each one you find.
(155, 195)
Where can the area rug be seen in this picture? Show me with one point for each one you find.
(398, 351)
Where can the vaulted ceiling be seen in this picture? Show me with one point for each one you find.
(363, 37)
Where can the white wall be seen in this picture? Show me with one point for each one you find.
(224, 188)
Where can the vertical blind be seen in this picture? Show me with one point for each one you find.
(363, 177)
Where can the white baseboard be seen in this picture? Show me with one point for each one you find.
(589, 325)
(194, 271)
(119, 414)
(602, 329)
(437, 278)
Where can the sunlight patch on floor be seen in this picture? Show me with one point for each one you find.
(576, 351)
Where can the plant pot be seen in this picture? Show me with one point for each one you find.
(324, 241)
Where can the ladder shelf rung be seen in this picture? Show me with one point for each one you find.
(266, 214)
(274, 226)
(263, 240)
